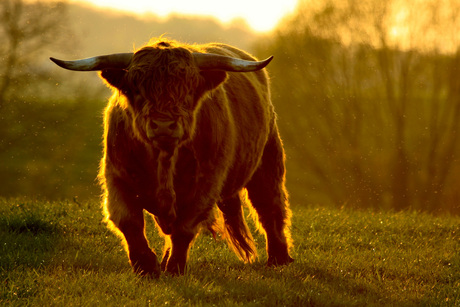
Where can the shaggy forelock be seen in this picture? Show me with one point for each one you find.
(164, 75)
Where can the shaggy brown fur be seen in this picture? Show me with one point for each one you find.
(230, 144)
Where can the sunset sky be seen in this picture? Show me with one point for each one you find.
(261, 15)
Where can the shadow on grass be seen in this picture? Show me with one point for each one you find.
(295, 285)
(27, 224)
(67, 237)
(27, 240)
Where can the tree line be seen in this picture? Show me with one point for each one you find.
(370, 119)
(367, 95)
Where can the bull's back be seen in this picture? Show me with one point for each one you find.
(252, 115)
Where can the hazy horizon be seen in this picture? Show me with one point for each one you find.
(258, 15)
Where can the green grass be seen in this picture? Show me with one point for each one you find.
(61, 254)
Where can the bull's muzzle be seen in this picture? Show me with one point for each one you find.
(167, 132)
(164, 128)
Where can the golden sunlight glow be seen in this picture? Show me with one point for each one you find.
(423, 25)
(261, 15)
(399, 30)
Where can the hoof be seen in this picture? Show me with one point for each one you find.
(277, 261)
(175, 267)
(146, 270)
(145, 265)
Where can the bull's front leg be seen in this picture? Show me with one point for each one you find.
(175, 258)
(129, 220)
(184, 230)
(142, 259)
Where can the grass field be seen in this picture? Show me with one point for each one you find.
(61, 254)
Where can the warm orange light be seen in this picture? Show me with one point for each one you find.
(261, 15)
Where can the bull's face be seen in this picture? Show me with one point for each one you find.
(161, 90)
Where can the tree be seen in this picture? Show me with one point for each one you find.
(369, 104)
(26, 28)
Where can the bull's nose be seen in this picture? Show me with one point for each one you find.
(168, 128)
(165, 128)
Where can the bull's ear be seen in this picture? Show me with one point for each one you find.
(213, 78)
(114, 77)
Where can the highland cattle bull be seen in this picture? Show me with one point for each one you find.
(190, 127)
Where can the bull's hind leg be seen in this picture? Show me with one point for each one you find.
(268, 196)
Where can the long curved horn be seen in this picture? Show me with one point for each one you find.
(208, 61)
(116, 60)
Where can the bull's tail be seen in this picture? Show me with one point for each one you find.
(236, 231)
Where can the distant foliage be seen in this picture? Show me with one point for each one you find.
(367, 92)
(368, 120)
(52, 150)
(26, 30)
(51, 119)
(101, 31)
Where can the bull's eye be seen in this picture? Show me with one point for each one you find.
(137, 100)
(136, 93)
